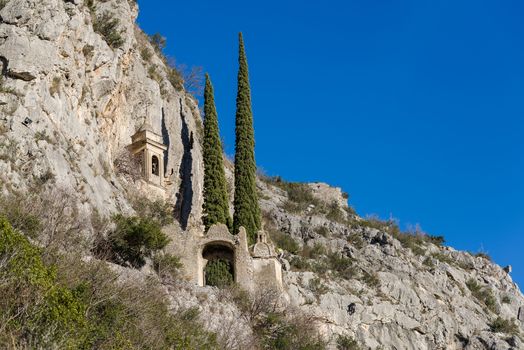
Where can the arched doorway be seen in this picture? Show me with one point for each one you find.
(219, 264)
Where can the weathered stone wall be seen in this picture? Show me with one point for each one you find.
(250, 272)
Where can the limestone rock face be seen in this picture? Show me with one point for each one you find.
(85, 102)
(402, 298)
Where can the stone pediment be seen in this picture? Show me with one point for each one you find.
(263, 250)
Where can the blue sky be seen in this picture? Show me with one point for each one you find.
(415, 108)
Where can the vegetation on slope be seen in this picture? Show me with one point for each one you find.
(79, 305)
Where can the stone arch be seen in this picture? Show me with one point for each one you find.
(155, 165)
(217, 250)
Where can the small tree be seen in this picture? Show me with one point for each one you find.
(216, 207)
(132, 240)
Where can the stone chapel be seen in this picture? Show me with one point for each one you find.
(251, 266)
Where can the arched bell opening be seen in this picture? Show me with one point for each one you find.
(218, 264)
(155, 166)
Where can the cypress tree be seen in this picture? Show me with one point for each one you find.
(216, 208)
(247, 211)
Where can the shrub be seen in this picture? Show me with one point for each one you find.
(80, 305)
(444, 258)
(300, 263)
(356, 240)
(483, 295)
(506, 299)
(158, 41)
(299, 195)
(313, 252)
(33, 307)
(483, 255)
(128, 165)
(297, 332)
(175, 78)
(166, 265)
(159, 211)
(342, 265)
(317, 287)
(284, 241)
(429, 262)
(132, 241)
(275, 326)
(218, 273)
(50, 215)
(19, 215)
(334, 213)
(107, 27)
(322, 230)
(371, 279)
(55, 86)
(146, 54)
(501, 325)
(345, 342)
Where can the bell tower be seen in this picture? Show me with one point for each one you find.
(148, 145)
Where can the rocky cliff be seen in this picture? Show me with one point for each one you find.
(70, 99)
(82, 99)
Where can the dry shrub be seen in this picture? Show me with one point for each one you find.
(128, 165)
(51, 217)
(275, 325)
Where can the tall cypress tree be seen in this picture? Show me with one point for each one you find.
(216, 208)
(247, 211)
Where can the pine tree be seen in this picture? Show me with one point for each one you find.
(247, 211)
(216, 208)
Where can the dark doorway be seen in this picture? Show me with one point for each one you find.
(219, 270)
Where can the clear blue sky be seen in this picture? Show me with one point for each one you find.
(415, 108)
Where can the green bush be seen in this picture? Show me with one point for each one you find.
(500, 325)
(334, 213)
(219, 273)
(483, 294)
(284, 241)
(300, 263)
(108, 27)
(313, 252)
(132, 241)
(444, 258)
(345, 342)
(158, 41)
(322, 230)
(317, 286)
(342, 265)
(371, 279)
(79, 305)
(33, 308)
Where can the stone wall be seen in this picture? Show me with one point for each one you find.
(250, 271)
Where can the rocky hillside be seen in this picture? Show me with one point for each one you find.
(83, 89)
(386, 288)
(73, 91)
